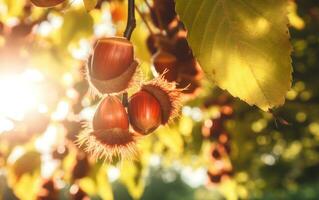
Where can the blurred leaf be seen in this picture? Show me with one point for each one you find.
(103, 186)
(228, 189)
(132, 177)
(76, 25)
(172, 139)
(90, 4)
(88, 185)
(26, 188)
(23, 165)
(243, 45)
(295, 20)
(55, 58)
(185, 126)
(15, 8)
(139, 40)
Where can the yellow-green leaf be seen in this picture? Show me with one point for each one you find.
(242, 45)
(72, 30)
(89, 4)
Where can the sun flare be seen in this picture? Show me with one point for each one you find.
(20, 93)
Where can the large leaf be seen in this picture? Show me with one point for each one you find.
(243, 45)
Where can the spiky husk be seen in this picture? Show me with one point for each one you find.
(168, 96)
(109, 144)
(115, 85)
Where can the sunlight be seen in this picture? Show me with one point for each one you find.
(20, 93)
(257, 27)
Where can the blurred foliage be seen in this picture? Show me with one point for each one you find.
(219, 148)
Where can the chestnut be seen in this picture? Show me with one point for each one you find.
(110, 114)
(182, 50)
(112, 66)
(47, 3)
(166, 63)
(163, 12)
(110, 137)
(158, 102)
(144, 112)
(111, 57)
(151, 43)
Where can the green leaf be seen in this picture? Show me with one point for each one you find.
(242, 45)
(72, 30)
(89, 4)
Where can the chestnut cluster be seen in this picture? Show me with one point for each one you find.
(117, 123)
(170, 50)
(215, 131)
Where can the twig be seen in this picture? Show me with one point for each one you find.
(131, 21)
(130, 26)
(144, 20)
(125, 99)
(278, 119)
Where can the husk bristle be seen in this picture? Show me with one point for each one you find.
(172, 94)
(108, 144)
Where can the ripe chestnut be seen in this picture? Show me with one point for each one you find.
(111, 57)
(144, 112)
(110, 114)
(189, 67)
(182, 50)
(46, 3)
(166, 62)
(163, 12)
(167, 95)
(110, 137)
(112, 66)
(151, 43)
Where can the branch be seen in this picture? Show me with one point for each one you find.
(131, 21)
(125, 99)
(144, 20)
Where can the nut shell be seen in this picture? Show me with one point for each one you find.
(144, 112)
(110, 114)
(165, 10)
(111, 58)
(115, 85)
(166, 62)
(168, 96)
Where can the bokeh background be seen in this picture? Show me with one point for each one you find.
(219, 148)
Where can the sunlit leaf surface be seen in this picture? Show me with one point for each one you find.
(242, 45)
